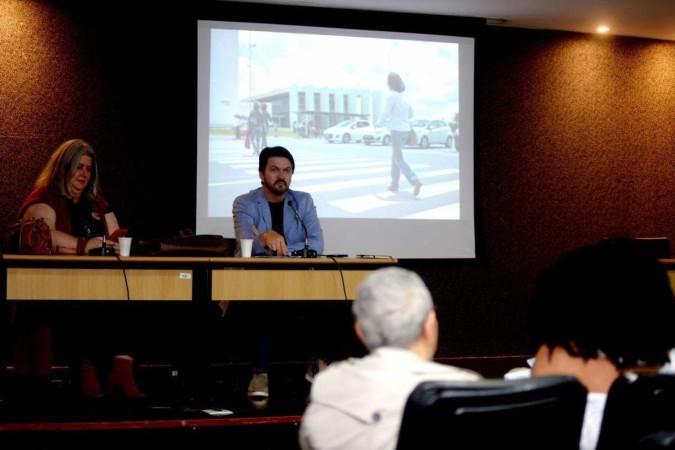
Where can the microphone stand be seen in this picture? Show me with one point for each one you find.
(305, 250)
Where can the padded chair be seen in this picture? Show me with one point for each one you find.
(541, 412)
(639, 413)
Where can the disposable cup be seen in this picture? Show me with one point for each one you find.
(246, 245)
(125, 246)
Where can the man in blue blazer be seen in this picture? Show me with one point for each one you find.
(276, 217)
(282, 222)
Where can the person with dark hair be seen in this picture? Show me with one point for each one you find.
(601, 311)
(358, 403)
(267, 122)
(396, 115)
(280, 221)
(255, 127)
(277, 218)
(67, 195)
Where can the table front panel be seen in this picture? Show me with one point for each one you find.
(98, 284)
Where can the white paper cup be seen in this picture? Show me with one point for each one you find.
(125, 246)
(246, 245)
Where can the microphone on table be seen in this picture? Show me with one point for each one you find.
(306, 252)
(103, 250)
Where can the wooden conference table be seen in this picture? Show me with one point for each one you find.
(148, 278)
(670, 269)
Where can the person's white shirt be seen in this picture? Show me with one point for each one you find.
(590, 430)
(358, 403)
(595, 403)
(669, 367)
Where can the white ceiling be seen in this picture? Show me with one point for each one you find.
(653, 19)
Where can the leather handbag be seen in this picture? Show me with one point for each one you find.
(193, 245)
(28, 236)
(412, 138)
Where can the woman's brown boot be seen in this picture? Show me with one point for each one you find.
(121, 377)
(32, 352)
(88, 382)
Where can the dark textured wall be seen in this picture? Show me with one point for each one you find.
(575, 141)
(118, 76)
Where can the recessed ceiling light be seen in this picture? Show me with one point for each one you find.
(603, 29)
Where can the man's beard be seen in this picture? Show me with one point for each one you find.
(283, 187)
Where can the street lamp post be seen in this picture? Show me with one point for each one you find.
(250, 68)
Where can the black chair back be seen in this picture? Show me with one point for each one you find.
(639, 413)
(540, 412)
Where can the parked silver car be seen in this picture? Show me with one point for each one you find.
(432, 132)
(347, 131)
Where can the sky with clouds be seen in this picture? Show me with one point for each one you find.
(429, 69)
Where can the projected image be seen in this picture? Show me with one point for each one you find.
(378, 156)
(323, 97)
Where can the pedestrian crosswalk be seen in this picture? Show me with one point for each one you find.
(349, 181)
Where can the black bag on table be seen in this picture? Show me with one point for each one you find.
(191, 245)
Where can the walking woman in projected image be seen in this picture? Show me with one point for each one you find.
(396, 115)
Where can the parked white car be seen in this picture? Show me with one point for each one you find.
(351, 130)
(432, 132)
(376, 135)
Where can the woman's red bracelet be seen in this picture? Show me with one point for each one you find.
(81, 244)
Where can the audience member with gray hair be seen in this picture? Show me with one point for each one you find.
(358, 403)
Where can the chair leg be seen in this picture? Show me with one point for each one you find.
(42, 356)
